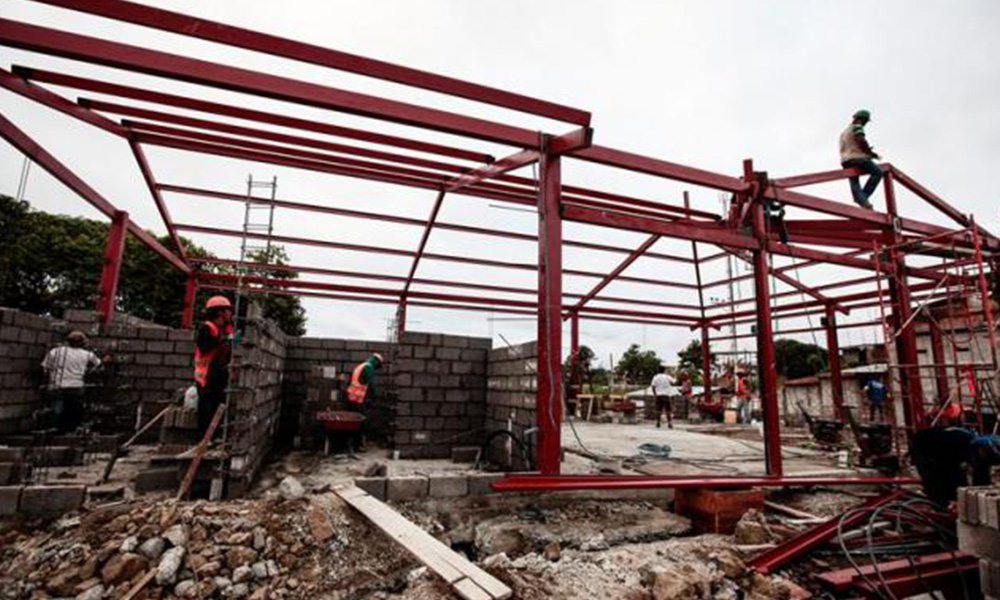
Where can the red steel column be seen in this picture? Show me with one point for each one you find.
(706, 364)
(833, 352)
(575, 377)
(187, 317)
(114, 250)
(940, 371)
(906, 342)
(549, 396)
(767, 374)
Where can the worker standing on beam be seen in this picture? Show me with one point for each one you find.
(857, 153)
(361, 392)
(212, 353)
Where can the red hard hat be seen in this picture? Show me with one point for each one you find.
(218, 302)
(952, 410)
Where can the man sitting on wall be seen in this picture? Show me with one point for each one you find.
(66, 367)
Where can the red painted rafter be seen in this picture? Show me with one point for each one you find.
(638, 252)
(435, 209)
(147, 175)
(158, 18)
(181, 68)
(52, 100)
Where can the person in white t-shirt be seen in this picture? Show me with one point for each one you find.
(663, 390)
(66, 367)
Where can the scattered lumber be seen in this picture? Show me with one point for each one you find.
(469, 581)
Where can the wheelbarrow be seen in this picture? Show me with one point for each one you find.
(337, 423)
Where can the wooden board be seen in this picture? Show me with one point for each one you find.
(468, 580)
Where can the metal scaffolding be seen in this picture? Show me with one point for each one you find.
(837, 233)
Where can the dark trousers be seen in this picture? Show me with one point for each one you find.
(663, 404)
(876, 407)
(867, 166)
(209, 399)
(67, 408)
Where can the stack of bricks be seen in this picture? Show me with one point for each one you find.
(150, 364)
(979, 533)
(510, 402)
(24, 341)
(308, 362)
(440, 384)
(254, 399)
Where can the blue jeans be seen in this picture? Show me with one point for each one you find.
(867, 166)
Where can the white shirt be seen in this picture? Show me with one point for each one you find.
(67, 366)
(663, 386)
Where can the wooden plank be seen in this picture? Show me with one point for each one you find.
(450, 566)
(467, 589)
(182, 492)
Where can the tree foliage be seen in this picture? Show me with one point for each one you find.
(638, 366)
(689, 361)
(794, 359)
(50, 263)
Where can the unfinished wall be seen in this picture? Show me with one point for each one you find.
(255, 399)
(440, 383)
(24, 341)
(510, 401)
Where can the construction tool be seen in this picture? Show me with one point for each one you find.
(199, 453)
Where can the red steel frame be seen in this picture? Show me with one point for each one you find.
(838, 234)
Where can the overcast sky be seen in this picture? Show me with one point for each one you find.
(705, 84)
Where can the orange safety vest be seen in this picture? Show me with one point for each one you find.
(357, 391)
(203, 360)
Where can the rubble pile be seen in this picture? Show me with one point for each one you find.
(273, 548)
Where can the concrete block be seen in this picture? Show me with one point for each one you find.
(979, 540)
(448, 486)
(412, 487)
(375, 486)
(479, 483)
(446, 353)
(423, 351)
(11, 454)
(156, 478)
(10, 496)
(51, 499)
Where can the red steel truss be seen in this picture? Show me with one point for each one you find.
(886, 246)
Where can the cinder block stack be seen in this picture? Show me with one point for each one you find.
(440, 383)
(979, 533)
(510, 400)
(254, 399)
(24, 341)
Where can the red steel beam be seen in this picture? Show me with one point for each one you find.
(616, 272)
(114, 251)
(771, 560)
(397, 252)
(821, 177)
(55, 101)
(408, 221)
(439, 283)
(940, 204)
(504, 165)
(659, 168)
(247, 114)
(688, 231)
(24, 144)
(165, 20)
(799, 286)
(568, 483)
(833, 357)
(190, 293)
(147, 175)
(92, 50)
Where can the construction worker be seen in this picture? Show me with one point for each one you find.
(875, 392)
(66, 367)
(212, 352)
(948, 458)
(857, 153)
(663, 393)
(361, 391)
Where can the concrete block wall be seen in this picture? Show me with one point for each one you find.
(150, 363)
(24, 340)
(307, 354)
(510, 401)
(440, 385)
(255, 399)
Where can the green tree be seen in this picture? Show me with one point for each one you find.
(794, 359)
(585, 359)
(638, 366)
(689, 361)
(284, 310)
(50, 263)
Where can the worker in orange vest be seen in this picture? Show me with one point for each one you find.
(212, 352)
(361, 391)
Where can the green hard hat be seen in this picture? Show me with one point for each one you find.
(863, 114)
